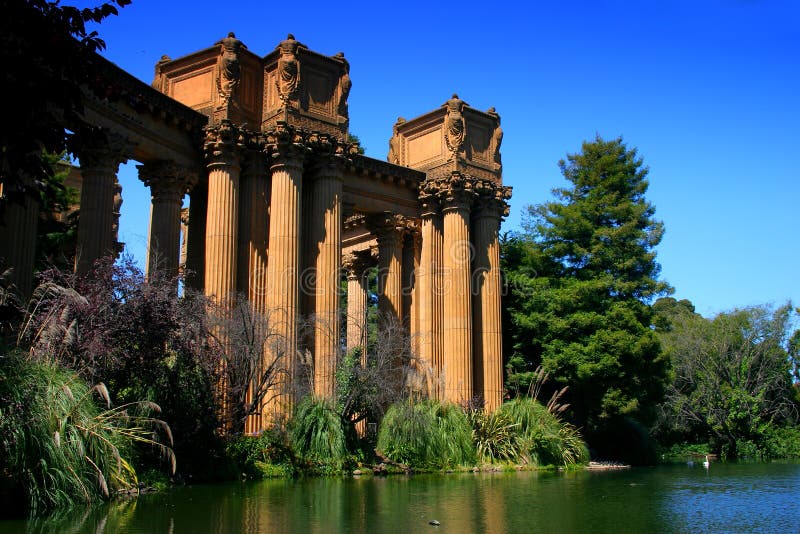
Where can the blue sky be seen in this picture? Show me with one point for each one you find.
(706, 90)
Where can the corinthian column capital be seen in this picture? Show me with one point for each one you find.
(357, 262)
(456, 192)
(491, 200)
(167, 179)
(286, 147)
(103, 150)
(223, 145)
(389, 227)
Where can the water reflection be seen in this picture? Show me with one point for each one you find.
(760, 497)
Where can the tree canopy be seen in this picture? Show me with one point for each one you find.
(45, 50)
(581, 277)
(732, 382)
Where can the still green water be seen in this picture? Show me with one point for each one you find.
(677, 498)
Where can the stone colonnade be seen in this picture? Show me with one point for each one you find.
(254, 231)
(459, 286)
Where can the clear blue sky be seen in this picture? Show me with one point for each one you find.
(706, 90)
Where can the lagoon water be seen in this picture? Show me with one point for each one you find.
(675, 498)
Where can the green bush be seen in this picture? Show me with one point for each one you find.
(681, 451)
(316, 433)
(263, 456)
(426, 434)
(782, 442)
(543, 439)
(58, 444)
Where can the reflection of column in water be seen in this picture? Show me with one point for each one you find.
(492, 504)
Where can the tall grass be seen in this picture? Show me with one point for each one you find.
(316, 432)
(543, 439)
(426, 434)
(58, 444)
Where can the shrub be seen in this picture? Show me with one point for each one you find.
(262, 456)
(627, 440)
(426, 434)
(782, 442)
(494, 436)
(57, 443)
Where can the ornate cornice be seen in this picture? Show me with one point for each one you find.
(402, 176)
(356, 220)
(115, 85)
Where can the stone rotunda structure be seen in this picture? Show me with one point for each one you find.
(283, 207)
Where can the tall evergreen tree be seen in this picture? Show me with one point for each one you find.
(582, 276)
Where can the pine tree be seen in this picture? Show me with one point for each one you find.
(582, 276)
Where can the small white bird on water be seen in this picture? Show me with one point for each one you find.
(706, 462)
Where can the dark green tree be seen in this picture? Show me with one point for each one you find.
(581, 278)
(57, 228)
(46, 52)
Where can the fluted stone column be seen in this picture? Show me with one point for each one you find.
(222, 157)
(100, 159)
(283, 266)
(253, 231)
(430, 296)
(488, 336)
(457, 327)
(356, 265)
(326, 234)
(184, 241)
(410, 239)
(168, 184)
(252, 264)
(222, 220)
(389, 229)
(196, 242)
(18, 241)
